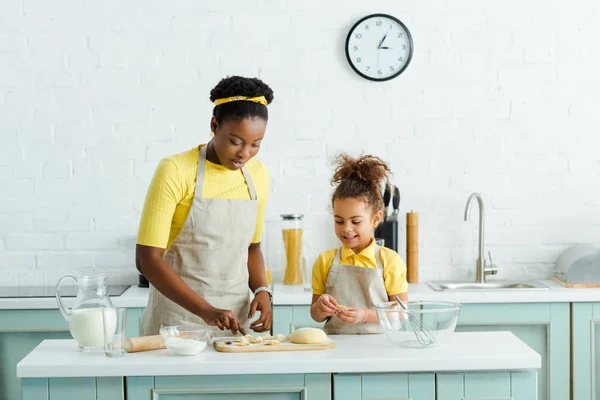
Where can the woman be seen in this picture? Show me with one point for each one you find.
(199, 238)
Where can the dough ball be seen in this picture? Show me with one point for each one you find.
(308, 336)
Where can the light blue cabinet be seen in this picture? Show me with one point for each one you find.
(542, 326)
(105, 388)
(286, 319)
(439, 386)
(398, 386)
(586, 350)
(230, 387)
(384, 386)
(22, 330)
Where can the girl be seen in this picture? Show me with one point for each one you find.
(349, 281)
(200, 232)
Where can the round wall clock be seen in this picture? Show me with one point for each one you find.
(379, 47)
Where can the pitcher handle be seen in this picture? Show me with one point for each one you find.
(66, 312)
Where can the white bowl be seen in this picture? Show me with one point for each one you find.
(185, 340)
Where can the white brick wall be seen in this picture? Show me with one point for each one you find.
(500, 98)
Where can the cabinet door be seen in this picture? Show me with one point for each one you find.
(586, 351)
(542, 326)
(286, 319)
(88, 388)
(22, 330)
(417, 386)
(134, 318)
(486, 385)
(234, 387)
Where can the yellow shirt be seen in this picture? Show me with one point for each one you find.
(171, 192)
(394, 269)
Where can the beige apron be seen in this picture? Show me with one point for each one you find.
(210, 254)
(355, 287)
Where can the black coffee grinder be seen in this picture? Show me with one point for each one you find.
(143, 282)
(388, 228)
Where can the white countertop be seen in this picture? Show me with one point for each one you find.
(466, 351)
(131, 298)
(295, 295)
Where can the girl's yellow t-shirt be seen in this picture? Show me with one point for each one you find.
(171, 191)
(394, 269)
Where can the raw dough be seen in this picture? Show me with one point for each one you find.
(242, 342)
(272, 342)
(308, 336)
(341, 307)
(279, 337)
(258, 339)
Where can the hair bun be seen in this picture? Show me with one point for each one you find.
(368, 169)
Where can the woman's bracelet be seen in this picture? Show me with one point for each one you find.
(366, 316)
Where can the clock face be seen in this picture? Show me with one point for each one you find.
(379, 47)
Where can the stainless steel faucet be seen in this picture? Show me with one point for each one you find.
(482, 269)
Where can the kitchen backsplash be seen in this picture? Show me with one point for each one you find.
(500, 98)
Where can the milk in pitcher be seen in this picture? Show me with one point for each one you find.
(87, 327)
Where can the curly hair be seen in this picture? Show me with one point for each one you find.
(360, 178)
(240, 86)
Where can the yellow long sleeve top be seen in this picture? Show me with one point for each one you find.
(171, 191)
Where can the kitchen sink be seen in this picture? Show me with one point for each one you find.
(496, 285)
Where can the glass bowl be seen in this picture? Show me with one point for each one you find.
(185, 340)
(424, 324)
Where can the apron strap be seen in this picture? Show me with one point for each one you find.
(378, 258)
(249, 182)
(200, 173)
(337, 259)
(202, 168)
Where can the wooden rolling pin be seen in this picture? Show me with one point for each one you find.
(144, 343)
(412, 247)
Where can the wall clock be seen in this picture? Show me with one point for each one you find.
(379, 47)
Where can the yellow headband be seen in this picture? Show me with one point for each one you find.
(259, 99)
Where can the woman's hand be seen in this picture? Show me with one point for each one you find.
(262, 303)
(326, 305)
(352, 315)
(223, 319)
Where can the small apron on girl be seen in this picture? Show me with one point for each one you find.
(210, 254)
(355, 287)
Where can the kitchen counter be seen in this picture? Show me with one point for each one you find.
(294, 295)
(472, 351)
(134, 297)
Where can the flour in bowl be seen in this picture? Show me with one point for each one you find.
(185, 347)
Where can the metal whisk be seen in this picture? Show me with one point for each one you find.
(424, 333)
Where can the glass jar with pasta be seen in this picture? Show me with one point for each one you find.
(292, 229)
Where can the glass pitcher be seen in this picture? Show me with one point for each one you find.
(85, 318)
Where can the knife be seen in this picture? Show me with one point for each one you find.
(395, 204)
(387, 194)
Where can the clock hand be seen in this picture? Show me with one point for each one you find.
(382, 40)
(386, 48)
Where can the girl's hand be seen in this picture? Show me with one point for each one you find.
(352, 315)
(326, 305)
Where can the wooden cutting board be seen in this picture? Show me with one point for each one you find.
(575, 285)
(223, 347)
